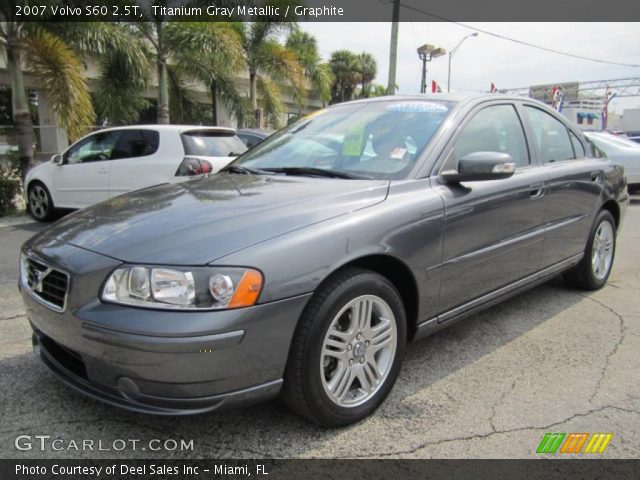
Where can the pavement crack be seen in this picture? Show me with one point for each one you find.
(464, 438)
(494, 409)
(12, 317)
(614, 350)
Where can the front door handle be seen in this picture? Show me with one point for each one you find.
(103, 171)
(595, 177)
(536, 190)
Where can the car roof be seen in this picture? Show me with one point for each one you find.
(172, 128)
(452, 97)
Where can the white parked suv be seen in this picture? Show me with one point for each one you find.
(114, 161)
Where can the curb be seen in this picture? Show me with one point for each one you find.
(16, 221)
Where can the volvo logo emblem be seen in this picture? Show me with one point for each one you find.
(358, 349)
(39, 278)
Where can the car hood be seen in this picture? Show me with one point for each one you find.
(198, 221)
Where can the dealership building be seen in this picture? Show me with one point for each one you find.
(51, 138)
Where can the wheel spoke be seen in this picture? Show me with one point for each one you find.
(362, 314)
(367, 384)
(335, 348)
(371, 368)
(343, 381)
(382, 335)
(602, 266)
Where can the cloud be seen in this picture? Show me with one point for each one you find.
(485, 59)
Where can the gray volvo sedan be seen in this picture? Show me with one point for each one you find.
(306, 266)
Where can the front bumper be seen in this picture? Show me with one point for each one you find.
(160, 362)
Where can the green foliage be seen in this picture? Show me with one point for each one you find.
(10, 188)
(351, 70)
(344, 65)
(305, 48)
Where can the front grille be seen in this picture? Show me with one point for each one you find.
(47, 283)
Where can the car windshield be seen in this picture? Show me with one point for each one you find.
(379, 140)
(209, 143)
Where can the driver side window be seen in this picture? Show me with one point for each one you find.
(95, 148)
(493, 129)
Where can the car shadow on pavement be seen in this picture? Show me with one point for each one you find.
(36, 403)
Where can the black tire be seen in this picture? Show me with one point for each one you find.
(39, 202)
(303, 389)
(583, 275)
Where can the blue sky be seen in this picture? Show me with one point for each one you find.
(485, 59)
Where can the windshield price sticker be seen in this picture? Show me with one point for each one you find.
(353, 142)
(418, 107)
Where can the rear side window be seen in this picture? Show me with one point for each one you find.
(136, 143)
(212, 144)
(577, 145)
(552, 137)
(249, 140)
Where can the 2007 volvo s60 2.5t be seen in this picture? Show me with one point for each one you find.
(306, 265)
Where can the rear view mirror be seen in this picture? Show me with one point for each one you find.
(57, 159)
(481, 166)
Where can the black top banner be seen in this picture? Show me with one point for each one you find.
(321, 10)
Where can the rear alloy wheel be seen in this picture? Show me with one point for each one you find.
(593, 270)
(40, 203)
(347, 350)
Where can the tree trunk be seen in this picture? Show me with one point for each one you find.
(253, 97)
(214, 102)
(163, 93)
(20, 104)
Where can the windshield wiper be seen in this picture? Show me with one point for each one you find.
(245, 170)
(320, 172)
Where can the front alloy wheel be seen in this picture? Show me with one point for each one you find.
(347, 350)
(358, 351)
(40, 204)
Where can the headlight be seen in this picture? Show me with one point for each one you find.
(183, 288)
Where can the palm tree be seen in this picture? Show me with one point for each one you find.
(53, 52)
(367, 68)
(169, 39)
(305, 48)
(199, 56)
(270, 64)
(344, 65)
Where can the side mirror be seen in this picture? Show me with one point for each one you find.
(57, 159)
(481, 166)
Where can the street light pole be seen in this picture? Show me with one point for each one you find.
(423, 80)
(451, 53)
(426, 53)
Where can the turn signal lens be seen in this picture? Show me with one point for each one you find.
(247, 291)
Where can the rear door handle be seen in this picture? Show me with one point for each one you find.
(103, 170)
(536, 190)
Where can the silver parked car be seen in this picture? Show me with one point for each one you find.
(621, 151)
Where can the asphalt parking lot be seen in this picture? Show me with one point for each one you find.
(550, 360)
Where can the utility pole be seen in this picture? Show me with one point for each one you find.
(393, 51)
